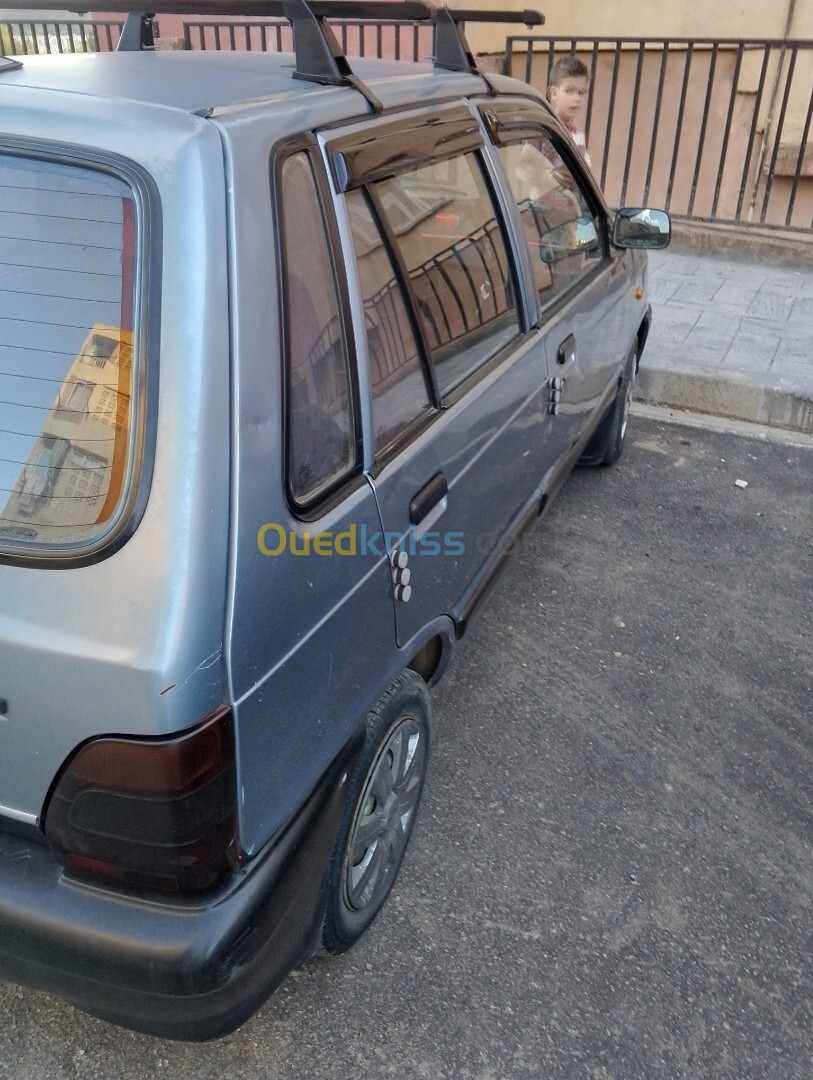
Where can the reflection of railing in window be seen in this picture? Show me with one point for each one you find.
(459, 291)
(464, 288)
(390, 338)
(323, 369)
(321, 447)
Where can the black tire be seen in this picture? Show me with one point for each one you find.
(382, 804)
(607, 445)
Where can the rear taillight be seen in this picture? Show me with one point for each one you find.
(150, 813)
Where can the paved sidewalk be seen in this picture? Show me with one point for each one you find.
(730, 337)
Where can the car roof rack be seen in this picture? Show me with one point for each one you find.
(319, 56)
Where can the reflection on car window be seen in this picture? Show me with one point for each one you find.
(67, 380)
(320, 417)
(562, 232)
(396, 375)
(451, 244)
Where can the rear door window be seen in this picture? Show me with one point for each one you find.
(450, 243)
(399, 389)
(67, 250)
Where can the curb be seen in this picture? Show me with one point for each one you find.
(756, 399)
(742, 242)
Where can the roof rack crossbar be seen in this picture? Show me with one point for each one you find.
(407, 10)
(528, 17)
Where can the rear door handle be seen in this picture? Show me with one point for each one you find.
(425, 501)
(567, 351)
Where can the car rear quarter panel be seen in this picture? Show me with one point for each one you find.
(132, 643)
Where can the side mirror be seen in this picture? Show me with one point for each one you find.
(570, 238)
(642, 228)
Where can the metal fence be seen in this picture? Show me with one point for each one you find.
(711, 130)
(392, 38)
(75, 36)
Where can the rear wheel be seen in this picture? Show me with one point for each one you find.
(382, 804)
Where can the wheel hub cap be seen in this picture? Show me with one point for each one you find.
(385, 815)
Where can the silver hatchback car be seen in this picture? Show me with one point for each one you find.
(290, 353)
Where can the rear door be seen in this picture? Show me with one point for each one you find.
(457, 374)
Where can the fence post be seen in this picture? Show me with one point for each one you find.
(766, 134)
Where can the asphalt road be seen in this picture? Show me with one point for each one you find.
(612, 873)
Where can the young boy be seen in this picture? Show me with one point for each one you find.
(567, 91)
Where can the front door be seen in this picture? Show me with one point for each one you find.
(580, 287)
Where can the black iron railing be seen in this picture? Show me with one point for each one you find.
(26, 38)
(392, 38)
(244, 36)
(710, 130)
(392, 346)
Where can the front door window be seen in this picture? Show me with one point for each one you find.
(562, 231)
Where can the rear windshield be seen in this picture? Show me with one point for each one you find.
(66, 352)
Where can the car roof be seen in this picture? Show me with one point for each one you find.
(201, 81)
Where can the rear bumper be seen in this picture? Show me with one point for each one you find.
(178, 970)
